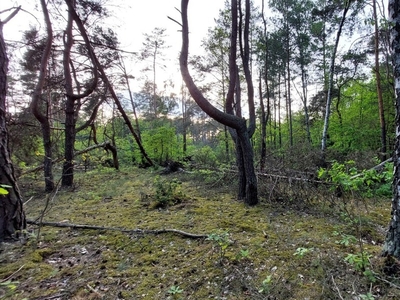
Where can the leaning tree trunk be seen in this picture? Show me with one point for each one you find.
(228, 118)
(391, 246)
(12, 216)
(36, 98)
(330, 84)
(104, 77)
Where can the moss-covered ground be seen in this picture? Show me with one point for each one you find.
(284, 248)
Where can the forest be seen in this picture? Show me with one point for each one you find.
(267, 168)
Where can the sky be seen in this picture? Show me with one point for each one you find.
(130, 20)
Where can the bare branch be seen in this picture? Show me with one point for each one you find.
(12, 15)
(129, 231)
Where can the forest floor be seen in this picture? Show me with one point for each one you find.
(305, 245)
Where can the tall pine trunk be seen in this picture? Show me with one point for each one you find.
(379, 87)
(12, 216)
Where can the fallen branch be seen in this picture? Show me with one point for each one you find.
(105, 145)
(130, 231)
(377, 168)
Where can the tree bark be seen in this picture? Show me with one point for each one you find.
(330, 82)
(71, 107)
(37, 94)
(379, 87)
(391, 246)
(104, 77)
(228, 118)
(12, 216)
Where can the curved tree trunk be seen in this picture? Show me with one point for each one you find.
(12, 216)
(37, 94)
(104, 77)
(229, 119)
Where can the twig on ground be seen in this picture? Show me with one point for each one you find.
(334, 283)
(387, 281)
(94, 291)
(12, 275)
(130, 231)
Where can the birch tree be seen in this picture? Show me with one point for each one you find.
(391, 246)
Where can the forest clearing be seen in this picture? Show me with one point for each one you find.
(302, 243)
(265, 167)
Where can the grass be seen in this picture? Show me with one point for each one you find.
(284, 248)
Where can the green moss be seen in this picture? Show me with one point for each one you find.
(40, 254)
(145, 266)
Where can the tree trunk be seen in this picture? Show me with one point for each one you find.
(12, 216)
(100, 69)
(228, 118)
(391, 246)
(379, 88)
(72, 105)
(263, 124)
(37, 95)
(330, 82)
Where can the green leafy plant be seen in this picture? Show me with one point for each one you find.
(346, 178)
(243, 254)
(167, 191)
(221, 240)
(7, 288)
(367, 296)
(346, 239)
(174, 291)
(301, 251)
(266, 285)
(361, 263)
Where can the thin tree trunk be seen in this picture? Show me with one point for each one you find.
(263, 124)
(379, 87)
(72, 104)
(330, 82)
(125, 74)
(37, 94)
(12, 216)
(264, 115)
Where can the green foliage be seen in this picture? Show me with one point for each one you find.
(3, 188)
(161, 143)
(347, 178)
(346, 239)
(7, 288)
(361, 263)
(175, 290)
(367, 296)
(301, 251)
(167, 191)
(221, 241)
(243, 254)
(355, 124)
(266, 285)
(205, 156)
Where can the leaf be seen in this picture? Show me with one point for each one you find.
(3, 191)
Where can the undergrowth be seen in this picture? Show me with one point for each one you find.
(280, 249)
